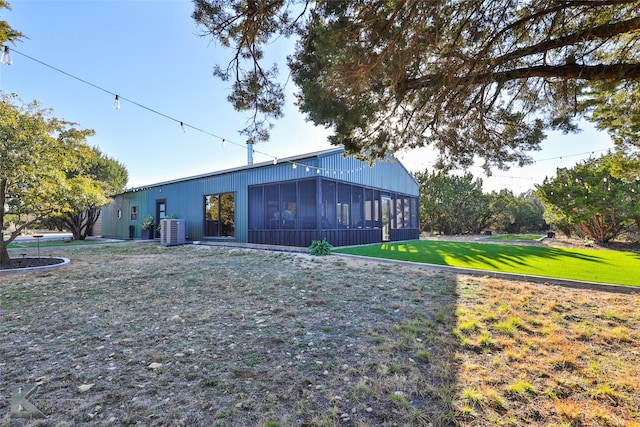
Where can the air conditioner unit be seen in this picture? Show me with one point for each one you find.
(172, 232)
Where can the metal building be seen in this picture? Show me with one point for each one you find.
(286, 202)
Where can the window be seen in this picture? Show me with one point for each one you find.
(399, 221)
(414, 212)
(368, 208)
(407, 213)
(376, 209)
(289, 205)
(134, 213)
(119, 213)
(344, 200)
(356, 207)
(328, 204)
(219, 215)
(272, 205)
(307, 210)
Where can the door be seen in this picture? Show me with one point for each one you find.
(161, 213)
(386, 218)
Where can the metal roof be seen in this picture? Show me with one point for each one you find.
(292, 159)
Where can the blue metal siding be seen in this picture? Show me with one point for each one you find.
(185, 198)
(112, 226)
(388, 174)
(283, 172)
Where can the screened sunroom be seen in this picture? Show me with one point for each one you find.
(291, 213)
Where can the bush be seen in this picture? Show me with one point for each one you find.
(320, 247)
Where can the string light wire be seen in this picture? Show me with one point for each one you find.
(224, 141)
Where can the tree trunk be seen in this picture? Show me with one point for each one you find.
(81, 224)
(4, 254)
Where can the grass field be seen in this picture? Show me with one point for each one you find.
(590, 265)
(138, 334)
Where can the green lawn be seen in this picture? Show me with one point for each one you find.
(578, 264)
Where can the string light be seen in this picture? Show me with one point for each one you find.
(6, 56)
(183, 125)
(223, 143)
(7, 60)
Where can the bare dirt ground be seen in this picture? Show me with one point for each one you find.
(142, 335)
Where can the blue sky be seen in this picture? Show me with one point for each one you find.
(150, 51)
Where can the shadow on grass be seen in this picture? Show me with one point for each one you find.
(578, 264)
(483, 253)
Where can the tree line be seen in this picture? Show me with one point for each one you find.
(598, 199)
(456, 204)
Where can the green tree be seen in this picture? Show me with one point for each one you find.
(516, 214)
(8, 34)
(591, 198)
(38, 153)
(474, 79)
(90, 187)
(531, 213)
(452, 204)
(558, 221)
(504, 210)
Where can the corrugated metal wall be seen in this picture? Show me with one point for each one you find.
(114, 225)
(185, 198)
(388, 174)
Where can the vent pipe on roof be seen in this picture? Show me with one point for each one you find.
(250, 152)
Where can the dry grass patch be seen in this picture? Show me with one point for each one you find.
(217, 337)
(557, 357)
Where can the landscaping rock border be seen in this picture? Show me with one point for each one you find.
(31, 264)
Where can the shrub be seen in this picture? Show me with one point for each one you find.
(320, 247)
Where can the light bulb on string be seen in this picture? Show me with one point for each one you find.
(6, 56)
(116, 103)
(223, 143)
(295, 166)
(318, 170)
(182, 127)
(275, 160)
(307, 169)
